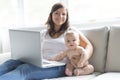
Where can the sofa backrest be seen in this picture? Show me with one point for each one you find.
(98, 36)
(113, 54)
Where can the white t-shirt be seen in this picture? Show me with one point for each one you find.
(51, 47)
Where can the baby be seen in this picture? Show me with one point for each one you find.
(74, 53)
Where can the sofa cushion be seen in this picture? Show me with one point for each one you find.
(108, 76)
(83, 77)
(113, 54)
(4, 57)
(98, 37)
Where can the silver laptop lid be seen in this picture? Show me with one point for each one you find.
(26, 46)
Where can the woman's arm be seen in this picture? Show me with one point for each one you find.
(84, 42)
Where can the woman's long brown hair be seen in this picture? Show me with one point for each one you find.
(50, 23)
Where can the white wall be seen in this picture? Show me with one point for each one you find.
(0, 42)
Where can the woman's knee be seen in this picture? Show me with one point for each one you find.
(9, 66)
(12, 62)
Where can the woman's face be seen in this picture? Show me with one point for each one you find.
(59, 16)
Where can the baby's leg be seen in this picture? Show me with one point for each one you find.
(85, 70)
(69, 69)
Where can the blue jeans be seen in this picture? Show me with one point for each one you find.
(25, 71)
(9, 66)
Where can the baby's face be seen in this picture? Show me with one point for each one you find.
(71, 40)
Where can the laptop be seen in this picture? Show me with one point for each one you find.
(26, 46)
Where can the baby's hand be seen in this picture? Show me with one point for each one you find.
(83, 59)
(80, 64)
(51, 59)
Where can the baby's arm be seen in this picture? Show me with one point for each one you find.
(58, 57)
(83, 58)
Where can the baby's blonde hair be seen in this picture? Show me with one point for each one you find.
(71, 32)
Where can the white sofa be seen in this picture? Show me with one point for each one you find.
(106, 56)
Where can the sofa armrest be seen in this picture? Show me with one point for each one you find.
(4, 57)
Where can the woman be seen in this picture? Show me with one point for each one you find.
(57, 23)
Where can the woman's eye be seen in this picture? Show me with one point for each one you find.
(74, 40)
(56, 13)
(68, 41)
(63, 14)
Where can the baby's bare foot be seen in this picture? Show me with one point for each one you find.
(68, 72)
(78, 72)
